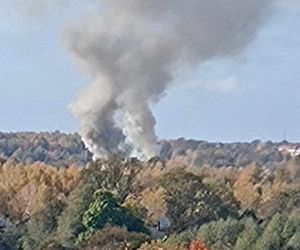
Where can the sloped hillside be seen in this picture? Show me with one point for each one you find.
(60, 149)
(202, 153)
(57, 149)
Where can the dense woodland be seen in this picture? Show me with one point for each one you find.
(63, 150)
(161, 204)
(56, 149)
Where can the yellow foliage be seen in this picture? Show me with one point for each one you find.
(25, 187)
(153, 200)
(247, 188)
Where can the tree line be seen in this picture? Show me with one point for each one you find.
(62, 150)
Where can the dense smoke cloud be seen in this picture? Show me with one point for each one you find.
(133, 49)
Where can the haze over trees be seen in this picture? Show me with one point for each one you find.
(55, 148)
(59, 149)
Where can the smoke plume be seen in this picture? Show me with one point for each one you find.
(133, 49)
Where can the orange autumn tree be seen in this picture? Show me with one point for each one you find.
(247, 188)
(22, 188)
(198, 245)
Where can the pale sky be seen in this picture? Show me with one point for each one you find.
(254, 96)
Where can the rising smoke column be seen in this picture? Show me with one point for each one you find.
(133, 49)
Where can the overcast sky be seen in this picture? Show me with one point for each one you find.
(254, 96)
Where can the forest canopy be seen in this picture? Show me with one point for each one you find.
(62, 150)
(130, 204)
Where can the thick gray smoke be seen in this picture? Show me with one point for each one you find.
(133, 49)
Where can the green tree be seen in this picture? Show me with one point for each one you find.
(221, 235)
(53, 245)
(114, 238)
(294, 242)
(104, 210)
(70, 221)
(292, 225)
(42, 225)
(272, 237)
(190, 202)
(248, 236)
(10, 238)
(114, 174)
(291, 231)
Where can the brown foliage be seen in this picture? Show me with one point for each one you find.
(24, 187)
(247, 187)
(2, 161)
(198, 245)
(159, 245)
(114, 238)
(154, 201)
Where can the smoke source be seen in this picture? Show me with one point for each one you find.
(132, 50)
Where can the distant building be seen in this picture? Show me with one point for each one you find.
(4, 225)
(160, 230)
(292, 149)
(163, 224)
(2, 160)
